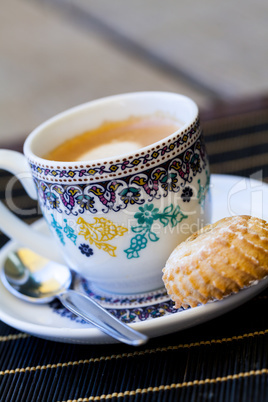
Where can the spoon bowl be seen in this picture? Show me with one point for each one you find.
(35, 279)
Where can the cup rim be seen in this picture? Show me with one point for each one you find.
(95, 103)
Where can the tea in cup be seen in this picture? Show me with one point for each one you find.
(120, 182)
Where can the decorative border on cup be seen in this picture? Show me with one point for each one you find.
(173, 175)
(120, 167)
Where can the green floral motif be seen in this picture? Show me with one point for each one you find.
(145, 219)
(147, 214)
(202, 191)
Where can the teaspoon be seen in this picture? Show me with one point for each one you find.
(37, 280)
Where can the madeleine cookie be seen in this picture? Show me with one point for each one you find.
(218, 260)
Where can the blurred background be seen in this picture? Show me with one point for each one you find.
(55, 54)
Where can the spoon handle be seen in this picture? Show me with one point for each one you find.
(94, 313)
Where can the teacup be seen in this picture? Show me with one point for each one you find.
(116, 220)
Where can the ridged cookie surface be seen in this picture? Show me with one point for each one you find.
(218, 260)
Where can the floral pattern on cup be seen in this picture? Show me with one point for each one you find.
(101, 231)
(146, 216)
(98, 233)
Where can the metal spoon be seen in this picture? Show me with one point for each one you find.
(35, 279)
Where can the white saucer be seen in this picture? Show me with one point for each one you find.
(231, 195)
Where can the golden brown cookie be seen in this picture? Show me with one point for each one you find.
(218, 260)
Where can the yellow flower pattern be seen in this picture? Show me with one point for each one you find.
(100, 232)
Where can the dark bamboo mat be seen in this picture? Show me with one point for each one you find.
(224, 360)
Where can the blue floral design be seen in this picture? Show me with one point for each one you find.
(187, 194)
(86, 249)
(70, 233)
(58, 228)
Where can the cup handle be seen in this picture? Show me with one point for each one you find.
(16, 163)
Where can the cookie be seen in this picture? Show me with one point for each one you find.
(218, 260)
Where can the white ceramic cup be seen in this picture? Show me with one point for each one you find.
(116, 220)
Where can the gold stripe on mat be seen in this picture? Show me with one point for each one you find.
(232, 144)
(243, 120)
(171, 386)
(13, 337)
(136, 353)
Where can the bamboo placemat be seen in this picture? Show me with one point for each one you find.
(224, 360)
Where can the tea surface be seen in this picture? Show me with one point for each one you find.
(114, 138)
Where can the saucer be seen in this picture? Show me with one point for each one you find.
(152, 313)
